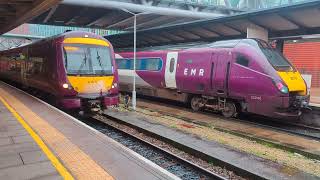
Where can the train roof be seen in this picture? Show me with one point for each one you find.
(64, 34)
(185, 46)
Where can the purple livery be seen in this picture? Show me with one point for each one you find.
(75, 69)
(229, 76)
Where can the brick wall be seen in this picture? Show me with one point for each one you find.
(306, 58)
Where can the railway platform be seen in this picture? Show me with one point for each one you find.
(38, 141)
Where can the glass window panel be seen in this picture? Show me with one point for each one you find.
(87, 59)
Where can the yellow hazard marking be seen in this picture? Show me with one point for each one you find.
(90, 41)
(79, 164)
(54, 160)
(83, 84)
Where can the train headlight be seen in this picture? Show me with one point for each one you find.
(284, 89)
(114, 85)
(65, 86)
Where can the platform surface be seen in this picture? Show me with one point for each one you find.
(84, 152)
(20, 156)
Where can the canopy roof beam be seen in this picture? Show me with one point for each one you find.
(141, 8)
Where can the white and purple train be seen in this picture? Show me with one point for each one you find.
(244, 75)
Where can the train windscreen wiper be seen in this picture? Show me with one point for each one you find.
(99, 60)
(84, 61)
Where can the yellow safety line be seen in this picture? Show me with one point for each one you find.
(54, 160)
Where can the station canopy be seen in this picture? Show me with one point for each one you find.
(119, 14)
(16, 12)
(281, 22)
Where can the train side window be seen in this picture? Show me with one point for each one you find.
(242, 60)
(149, 64)
(172, 62)
(122, 63)
(38, 58)
(139, 64)
(153, 64)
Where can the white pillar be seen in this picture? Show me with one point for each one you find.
(254, 31)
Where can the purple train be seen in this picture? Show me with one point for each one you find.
(232, 76)
(75, 69)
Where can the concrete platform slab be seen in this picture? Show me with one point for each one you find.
(10, 160)
(22, 139)
(49, 177)
(5, 141)
(29, 171)
(33, 156)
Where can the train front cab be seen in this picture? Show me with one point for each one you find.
(295, 97)
(277, 89)
(90, 81)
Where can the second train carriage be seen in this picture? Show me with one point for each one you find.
(230, 76)
(77, 69)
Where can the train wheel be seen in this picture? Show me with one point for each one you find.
(195, 103)
(230, 110)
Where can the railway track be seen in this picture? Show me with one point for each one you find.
(284, 126)
(289, 127)
(166, 155)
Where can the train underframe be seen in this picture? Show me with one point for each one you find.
(291, 107)
(197, 102)
(227, 107)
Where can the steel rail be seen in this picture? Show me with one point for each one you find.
(273, 124)
(203, 171)
(198, 154)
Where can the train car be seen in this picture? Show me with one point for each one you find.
(77, 69)
(233, 76)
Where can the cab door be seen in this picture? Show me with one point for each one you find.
(221, 73)
(171, 69)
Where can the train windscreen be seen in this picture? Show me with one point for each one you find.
(83, 59)
(276, 59)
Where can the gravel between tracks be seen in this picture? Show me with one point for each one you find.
(293, 161)
(207, 165)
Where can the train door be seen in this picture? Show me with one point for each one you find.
(171, 68)
(220, 83)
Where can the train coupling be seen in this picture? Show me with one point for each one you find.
(300, 102)
(94, 105)
(305, 104)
